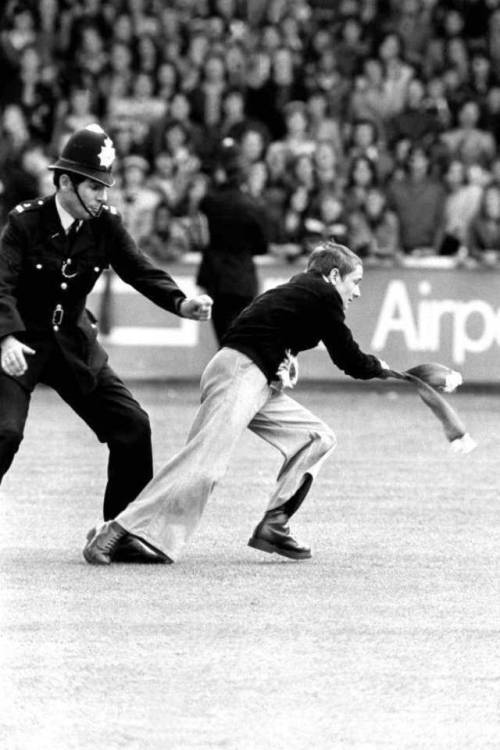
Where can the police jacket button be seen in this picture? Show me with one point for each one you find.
(64, 285)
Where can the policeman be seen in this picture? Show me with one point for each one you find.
(52, 251)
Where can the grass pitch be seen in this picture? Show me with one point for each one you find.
(388, 638)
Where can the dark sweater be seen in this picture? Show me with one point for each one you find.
(297, 316)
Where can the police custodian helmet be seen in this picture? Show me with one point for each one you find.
(88, 152)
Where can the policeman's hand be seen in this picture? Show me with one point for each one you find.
(197, 308)
(13, 356)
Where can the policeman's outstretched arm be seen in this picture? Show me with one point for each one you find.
(197, 308)
(13, 357)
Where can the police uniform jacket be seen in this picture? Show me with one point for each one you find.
(238, 230)
(296, 316)
(44, 284)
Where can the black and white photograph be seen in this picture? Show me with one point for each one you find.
(249, 375)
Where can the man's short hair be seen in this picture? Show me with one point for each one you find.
(76, 179)
(328, 255)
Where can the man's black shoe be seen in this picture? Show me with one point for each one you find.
(272, 535)
(131, 549)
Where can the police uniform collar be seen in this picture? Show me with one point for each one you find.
(64, 216)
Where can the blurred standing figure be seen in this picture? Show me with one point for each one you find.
(238, 230)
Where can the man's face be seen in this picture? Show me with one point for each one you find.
(92, 193)
(347, 286)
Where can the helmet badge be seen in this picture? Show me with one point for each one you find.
(107, 153)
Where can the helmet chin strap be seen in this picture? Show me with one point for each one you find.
(92, 214)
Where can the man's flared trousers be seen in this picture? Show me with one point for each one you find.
(234, 395)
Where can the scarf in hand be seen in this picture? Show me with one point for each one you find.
(428, 379)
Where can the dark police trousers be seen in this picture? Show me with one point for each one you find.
(109, 410)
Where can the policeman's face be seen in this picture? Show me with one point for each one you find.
(348, 285)
(92, 194)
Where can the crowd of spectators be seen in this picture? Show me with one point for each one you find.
(376, 122)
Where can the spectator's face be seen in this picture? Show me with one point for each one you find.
(457, 52)
(122, 29)
(276, 159)
(175, 138)
(436, 88)
(492, 203)
(167, 76)
(493, 99)
(362, 174)
(214, 70)
(351, 31)
(120, 58)
(260, 68)
(164, 165)
(252, 145)
(321, 40)
(325, 156)
(469, 115)
(402, 149)
(146, 47)
(480, 66)
(451, 79)
(296, 123)
(495, 170)
(330, 209)
(389, 48)
(453, 23)
(143, 86)
(328, 62)
(91, 41)
(234, 105)
(304, 169)
(162, 219)
(257, 178)
(30, 62)
(24, 21)
(133, 177)
(14, 122)
(373, 71)
(418, 163)
(455, 174)
(34, 160)
(80, 101)
(215, 28)
(169, 22)
(225, 8)
(92, 7)
(48, 11)
(270, 38)
(235, 59)
(179, 107)
(316, 105)
(364, 135)
(198, 48)
(283, 66)
(415, 93)
(375, 203)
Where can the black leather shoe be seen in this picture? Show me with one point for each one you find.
(273, 535)
(131, 549)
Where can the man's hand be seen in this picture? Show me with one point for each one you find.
(197, 308)
(13, 356)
